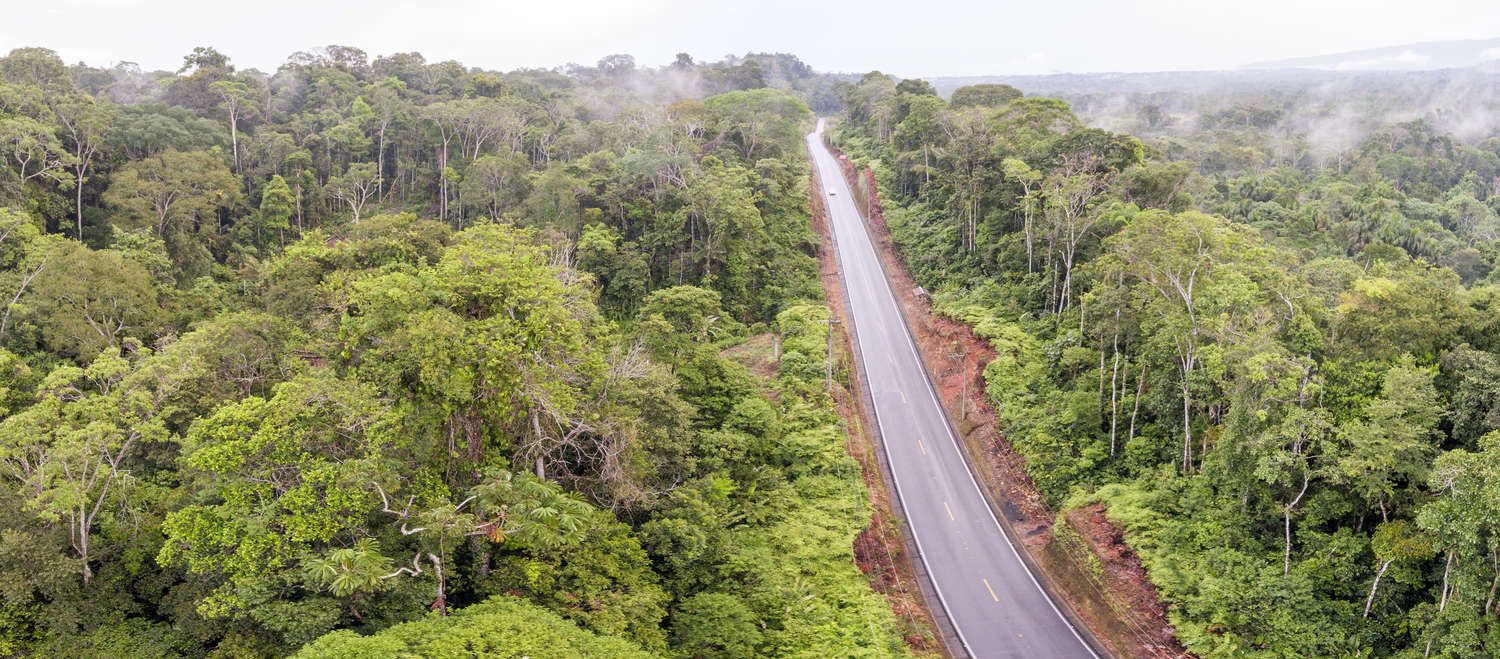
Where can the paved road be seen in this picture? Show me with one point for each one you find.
(992, 599)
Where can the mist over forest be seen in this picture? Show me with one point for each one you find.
(1291, 116)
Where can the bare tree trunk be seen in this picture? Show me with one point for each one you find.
(1114, 395)
(1187, 428)
(1443, 603)
(234, 136)
(1495, 568)
(5, 319)
(536, 426)
(380, 167)
(1371, 599)
(442, 598)
(1447, 570)
(1026, 224)
(1065, 298)
(926, 165)
(443, 181)
(78, 198)
(82, 530)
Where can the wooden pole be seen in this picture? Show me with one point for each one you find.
(962, 352)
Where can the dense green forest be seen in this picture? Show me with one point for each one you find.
(363, 358)
(1278, 368)
(371, 357)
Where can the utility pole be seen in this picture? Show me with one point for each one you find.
(829, 375)
(962, 352)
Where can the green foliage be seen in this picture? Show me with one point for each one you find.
(987, 95)
(600, 577)
(1396, 444)
(1400, 541)
(291, 474)
(132, 637)
(85, 301)
(1415, 310)
(761, 120)
(173, 191)
(349, 570)
(499, 627)
(276, 207)
(676, 321)
(716, 625)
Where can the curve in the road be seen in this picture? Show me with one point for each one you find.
(993, 600)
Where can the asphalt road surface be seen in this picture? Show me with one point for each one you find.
(992, 599)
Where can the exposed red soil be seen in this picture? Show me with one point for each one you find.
(1124, 579)
(1117, 602)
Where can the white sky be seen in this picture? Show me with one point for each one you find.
(908, 38)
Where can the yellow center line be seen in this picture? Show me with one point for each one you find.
(920, 446)
(992, 590)
(950, 516)
(889, 358)
(903, 397)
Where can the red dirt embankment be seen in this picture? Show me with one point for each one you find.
(1085, 563)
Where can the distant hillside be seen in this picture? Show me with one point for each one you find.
(1394, 64)
(1410, 57)
(1062, 84)
(1481, 80)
